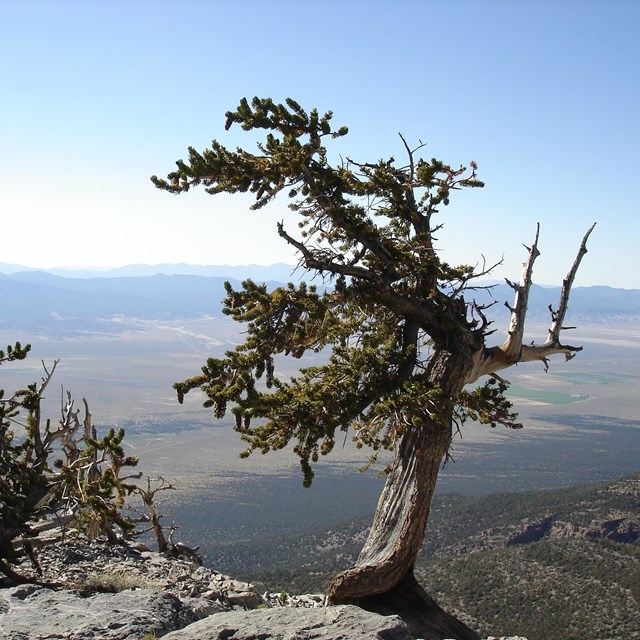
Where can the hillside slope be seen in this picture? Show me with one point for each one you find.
(556, 563)
(576, 589)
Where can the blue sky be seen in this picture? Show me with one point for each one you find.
(96, 97)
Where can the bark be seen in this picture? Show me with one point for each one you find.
(382, 579)
(147, 499)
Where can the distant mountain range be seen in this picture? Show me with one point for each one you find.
(32, 297)
(35, 298)
(279, 272)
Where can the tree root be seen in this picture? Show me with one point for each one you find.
(424, 617)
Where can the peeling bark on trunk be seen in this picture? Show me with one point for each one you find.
(398, 527)
(382, 579)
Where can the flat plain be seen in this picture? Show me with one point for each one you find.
(581, 425)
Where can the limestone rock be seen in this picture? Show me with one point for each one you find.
(97, 566)
(117, 592)
(30, 612)
(343, 622)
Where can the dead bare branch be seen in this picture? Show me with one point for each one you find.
(557, 318)
(512, 350)
(512, 347)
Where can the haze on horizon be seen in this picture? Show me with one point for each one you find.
(98, 97)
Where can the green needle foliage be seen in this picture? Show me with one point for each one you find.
(20, 483)
(390, 304)
(84, 487)
(90, 482)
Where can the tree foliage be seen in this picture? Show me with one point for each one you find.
(391, 299)
(18, 478)
(63, 473)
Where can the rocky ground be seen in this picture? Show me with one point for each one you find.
(119, 592)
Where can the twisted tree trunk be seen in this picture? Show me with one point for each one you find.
(393, 294)
(382, 579)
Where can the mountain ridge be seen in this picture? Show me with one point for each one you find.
(37, 296)
(278, 271)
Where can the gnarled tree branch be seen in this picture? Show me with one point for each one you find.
(557, 317)
(512, 350)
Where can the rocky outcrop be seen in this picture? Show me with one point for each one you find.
(623, 530)
(117, 592)
(531, 532)
(326, 623)
(98, 567)
(30, 612)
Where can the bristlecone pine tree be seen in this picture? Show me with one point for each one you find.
(61, 472)
(406, 341)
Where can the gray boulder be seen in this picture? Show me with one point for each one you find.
(285, 623)
(30, 612)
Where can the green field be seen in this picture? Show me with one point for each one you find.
(543, 396)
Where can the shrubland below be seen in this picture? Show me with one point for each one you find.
(554, 563)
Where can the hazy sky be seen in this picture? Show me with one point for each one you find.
(98, 96)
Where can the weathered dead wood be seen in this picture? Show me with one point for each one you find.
(557, 317)
(490, 360)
